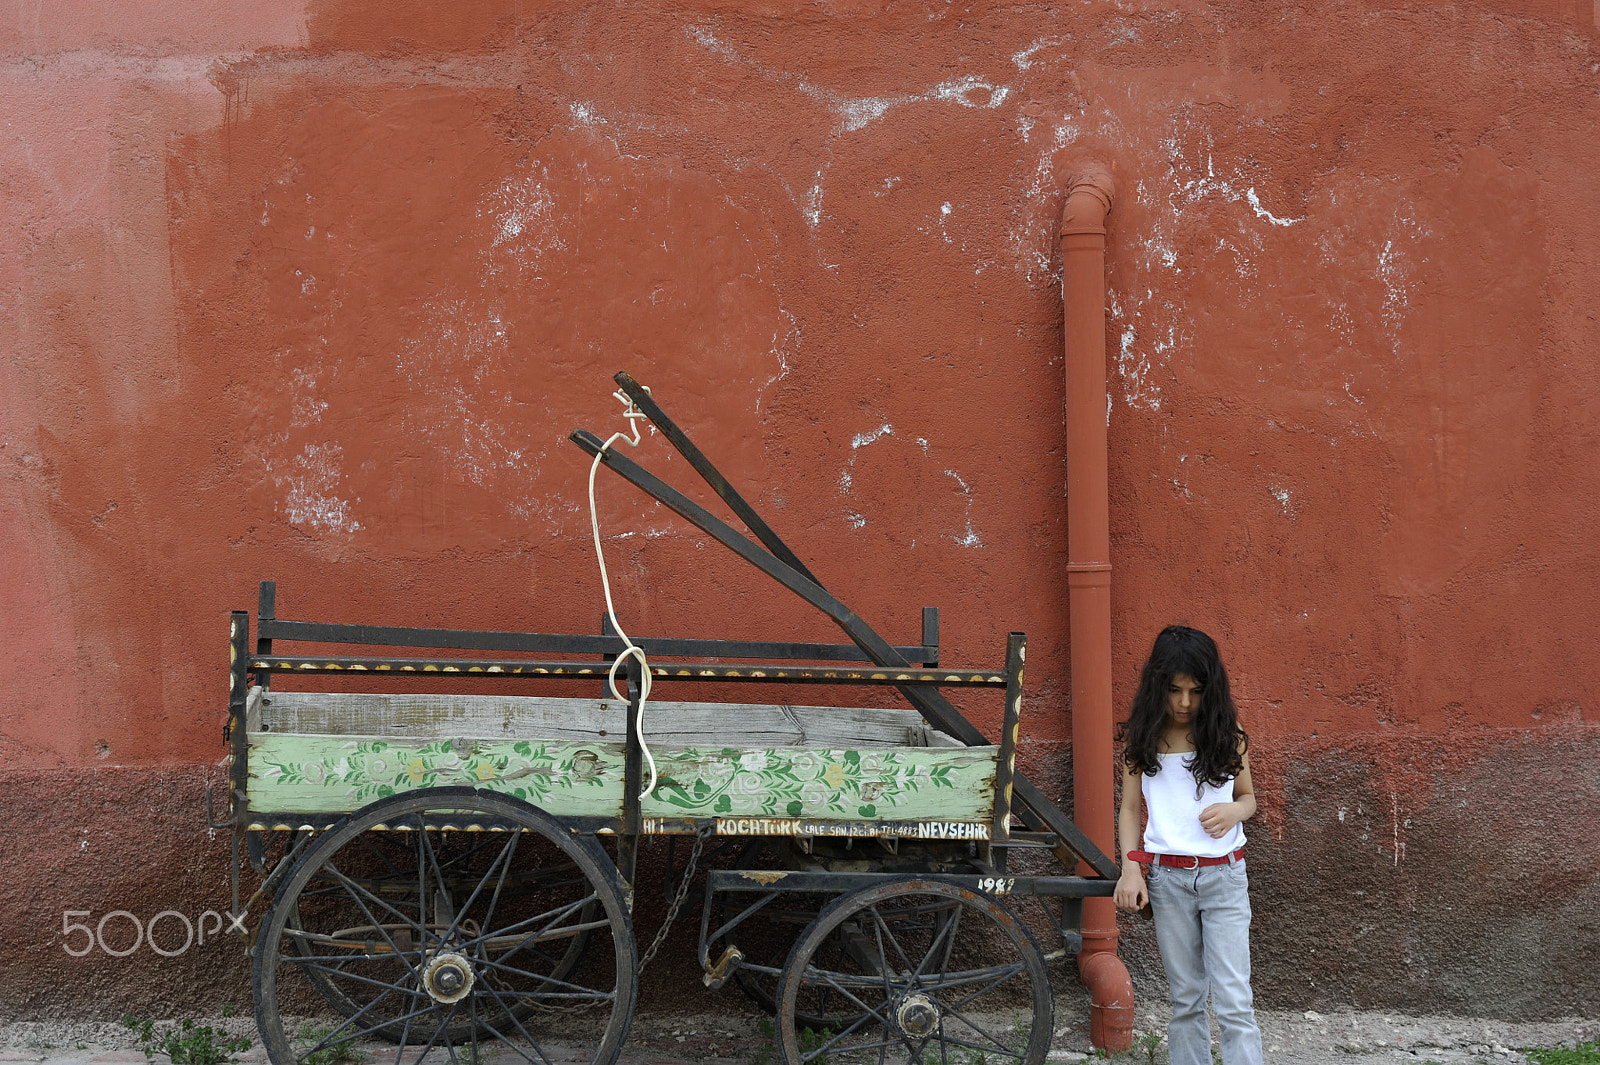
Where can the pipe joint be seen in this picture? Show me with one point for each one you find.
(1091, 188)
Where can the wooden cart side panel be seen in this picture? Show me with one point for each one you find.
(337, 774)
(333, 774)
(904, 784)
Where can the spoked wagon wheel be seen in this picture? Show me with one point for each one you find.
(936, 973)
(441, 920)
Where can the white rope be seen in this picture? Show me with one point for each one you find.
(630, 650)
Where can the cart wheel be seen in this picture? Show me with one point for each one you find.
(936, 973)
(441, 920)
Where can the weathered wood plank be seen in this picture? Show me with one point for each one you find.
(323, 774)
(252, 710)
(420, 717)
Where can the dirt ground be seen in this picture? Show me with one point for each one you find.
(660, 1038)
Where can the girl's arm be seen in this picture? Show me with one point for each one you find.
(1131, 893)
(1220, 817)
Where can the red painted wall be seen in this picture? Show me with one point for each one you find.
(315, 292)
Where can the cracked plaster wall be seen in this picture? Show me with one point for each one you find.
(314, 291)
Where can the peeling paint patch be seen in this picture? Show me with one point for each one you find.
(1262, 212)
(313, 480)
(1033, 235)
(813, 203)
(968, 538)
(1024, 58)
(858, 112)
(1134, 367)
(863, 439)
(523, 212)
(1285, 500)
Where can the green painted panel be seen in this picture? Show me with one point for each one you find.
(323, 774)
(905, 784)
(320, 774)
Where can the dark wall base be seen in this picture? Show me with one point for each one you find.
(1457, 874)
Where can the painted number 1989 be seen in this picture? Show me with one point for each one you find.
(997, 885)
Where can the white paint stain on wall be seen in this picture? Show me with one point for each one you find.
(523, 214)
(312, 498)
(968, 537)
(861, 440)
(854, 113)
(1262, 212)
(1135, 362)
(1024, 59)
(1392, 273)
(1285, 500)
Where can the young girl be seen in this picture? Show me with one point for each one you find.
(1186, 759)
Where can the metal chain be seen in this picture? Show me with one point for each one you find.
(661, 936)
(677, 901)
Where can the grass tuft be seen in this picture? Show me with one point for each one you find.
(1576, 1054)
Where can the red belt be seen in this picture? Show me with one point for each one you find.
(1183, 861)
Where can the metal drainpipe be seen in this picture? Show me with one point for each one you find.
(1083, 286)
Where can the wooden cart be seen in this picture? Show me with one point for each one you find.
(454, 872)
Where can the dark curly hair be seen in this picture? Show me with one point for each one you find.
(1219, 742)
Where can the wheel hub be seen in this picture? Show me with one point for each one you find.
(917, 1015)
(447, 978)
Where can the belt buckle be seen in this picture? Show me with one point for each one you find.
(1182, 861)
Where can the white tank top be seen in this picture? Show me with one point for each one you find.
(1174, 825)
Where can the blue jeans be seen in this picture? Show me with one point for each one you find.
(1203, 929)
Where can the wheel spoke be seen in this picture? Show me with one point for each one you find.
(946, 932)
(1002, 1048)
(370, 849)
(561, 913)
(425, 847)
(847, 994)
(325, 1041)
(518, 1022)
(368, 913)
(462, 910)
(437, 1032)
(883, 925)
(304, 963)
(996, 982)
(494, 900)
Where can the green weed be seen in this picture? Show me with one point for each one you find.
(343, 1050)
(186, 1043)
(1576, 1054)
(1150, 1042)
(810, 1041)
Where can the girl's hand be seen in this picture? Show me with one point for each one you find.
(1220, 817)
(1131, 894)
